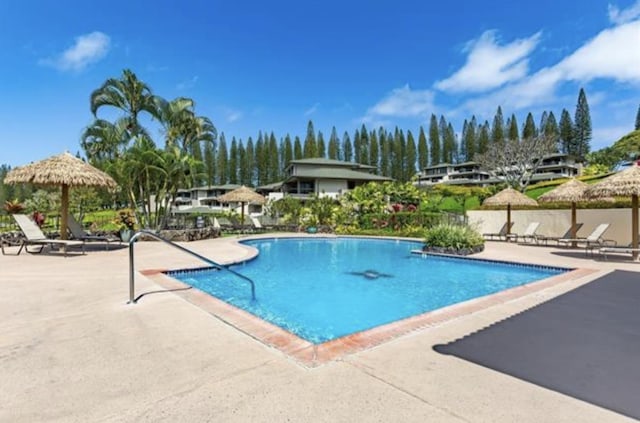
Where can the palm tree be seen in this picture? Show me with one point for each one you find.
(128, 94)
(103, 141)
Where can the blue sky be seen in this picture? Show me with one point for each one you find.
(272, 66)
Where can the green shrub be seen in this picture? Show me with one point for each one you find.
(453, 236)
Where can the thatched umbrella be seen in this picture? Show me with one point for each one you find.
(65, 170)
(572, 191)
(242, 195)
(622, 184)
(508, 197)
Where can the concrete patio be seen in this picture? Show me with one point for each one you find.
(71, 349)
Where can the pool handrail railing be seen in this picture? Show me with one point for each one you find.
(134, 238)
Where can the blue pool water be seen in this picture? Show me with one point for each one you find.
(321, 289)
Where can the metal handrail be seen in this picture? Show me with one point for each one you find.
(137, 235)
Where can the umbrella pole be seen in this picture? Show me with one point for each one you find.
(64, 219)
(242, 215)
(634, 225)
(508, 220)
(574, 224)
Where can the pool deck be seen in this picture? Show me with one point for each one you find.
(71, 349)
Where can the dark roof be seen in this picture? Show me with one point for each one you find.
(270, 187)
(330, 162)
(226, 187)
(332, 173)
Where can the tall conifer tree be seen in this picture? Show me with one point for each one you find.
(484, 138)
(261, 160)
(552, 130)
(411, 155)
(423, 150)
(582, 127)
(513, 133)
(223, 165)
(434, 141)
(242, 164)
(322, 148)
(209, 163)
(529, 129)
(374, 153)
(363, 155)
(637, 126)
(233, 161)
(451, 144)
(334, 145)
(385, 153)
(497, 130)
(297, 149)
(288, 152)
(347, 147)
(250, 163)
(273, 160)
(566, 133)
(356, 146)
(310, 148)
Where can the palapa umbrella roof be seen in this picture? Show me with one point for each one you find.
(509, 196)
(623, 184)
(63, 169)
(572, 190)
(242, 195)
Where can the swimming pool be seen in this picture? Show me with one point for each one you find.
(325, 288)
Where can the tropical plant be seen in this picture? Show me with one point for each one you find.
(453, 236)
(13, 206)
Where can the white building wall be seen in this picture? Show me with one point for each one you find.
(557, 222)
(331, 188)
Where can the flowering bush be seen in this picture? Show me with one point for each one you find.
(125, 219)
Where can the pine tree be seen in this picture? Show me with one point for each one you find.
(484, 138)
(385, 153)
(637, 127)
(356, 146)
(233, 161)
(513, 133)
(566, 133)
(529, 129)
(297, 149)
(287, 154)
(423, 150)
(470, 139)
(464, 156)
(411, 155)
(250, 163)
(374, 153)
(434, 141)
(543, 121)
(223, 166)
(310, 148)
(347, 147)
(363, 155)
(209, 163)
(261, 161)
(447, 154)
(497, 130)
(552, 130)
(322, 149)
(196, 153)
(398, 169)
(451, 144)
(243, 172)
(334, 145)
(274, 160)
(582, 127)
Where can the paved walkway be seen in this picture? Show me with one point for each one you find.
(71, 349)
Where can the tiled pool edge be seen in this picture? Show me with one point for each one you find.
(311, 355)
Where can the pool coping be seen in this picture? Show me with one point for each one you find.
(313, 355)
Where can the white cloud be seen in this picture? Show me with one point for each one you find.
(232, 115)
(618, 16)
(613, 53)
(490, 65)
(311, 110)
(87, 49)
(404, 102)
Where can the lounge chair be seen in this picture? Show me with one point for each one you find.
(256, 225)
(618, 250)
(34, 236)
(528, 234)
(546, 238)
(594, 240)
(78, 232)
(500, 235)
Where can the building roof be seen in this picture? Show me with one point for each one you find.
(226, 187)
(332, 173)
(330, 162)
(270, 187)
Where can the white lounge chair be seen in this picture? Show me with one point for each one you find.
(34, 236)
(594, 240)
(500, 235)
(528, 234)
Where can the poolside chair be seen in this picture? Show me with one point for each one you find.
(528, 234)
(34, 236)
(594, 240)
(546, 238)
(618, 250)
(500, 235)
(256, 225)
(78, 232)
